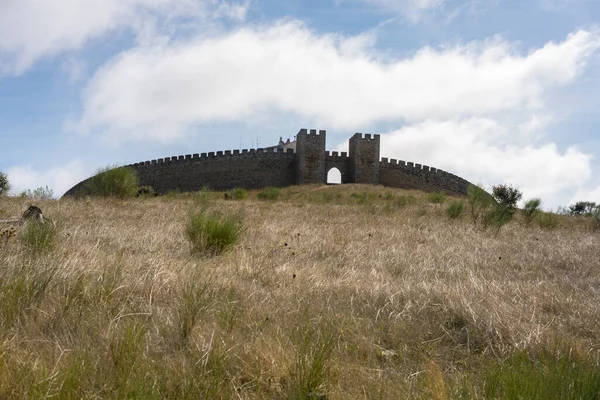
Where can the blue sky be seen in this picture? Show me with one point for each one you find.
(497, 91)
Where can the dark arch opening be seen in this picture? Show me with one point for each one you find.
(334, 176)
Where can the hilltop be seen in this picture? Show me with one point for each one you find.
(339, 292)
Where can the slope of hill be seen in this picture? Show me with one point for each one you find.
(341, 292)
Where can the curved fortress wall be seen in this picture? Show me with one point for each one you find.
(255, 169)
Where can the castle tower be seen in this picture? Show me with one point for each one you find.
(310, 157)
(364, 158)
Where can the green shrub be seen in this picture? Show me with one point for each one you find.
(146, 191)
(437, 197)
(507, 195)
(41, 193)
(118, 182)
(531, 209)
(544, 375)
(499, 216)
(39, 237)
(401, 201)
(236, 194)
(455, 209)
(583, 208)
(547, 220)
(389, 196)
(4, 184)
(212, 232)
(270, 193)
(480, 204)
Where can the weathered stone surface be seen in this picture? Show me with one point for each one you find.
(310, 163)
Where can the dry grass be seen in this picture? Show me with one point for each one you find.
(322, 298)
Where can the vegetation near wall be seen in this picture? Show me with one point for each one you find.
(345, 292)
(113, 181)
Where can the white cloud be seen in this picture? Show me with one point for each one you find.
(589, 194)
(59, 179)
(161, 91)
(484, 150)
(31, 29)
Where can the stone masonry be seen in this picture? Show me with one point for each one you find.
(276, 166)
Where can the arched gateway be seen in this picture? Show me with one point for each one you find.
(284, 165)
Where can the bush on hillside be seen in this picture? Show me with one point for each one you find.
(583, 208)
(494, 210)
(4, 184)
(507, 195)
(41, 193)
(455, 209)
(118, 182)
(531, 209)
(236, 194)
(213, 232)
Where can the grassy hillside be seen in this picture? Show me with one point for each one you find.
(343, 292)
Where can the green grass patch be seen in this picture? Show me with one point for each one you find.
(455, 209)
(236, 194)
(364, 197)
(402, 201)
(118, 182)
(544, 375)
(310, 371)
(22, 289)
(213, 233)
(324, 197)
(38, 237)
(437, 197)
(547, 220)
(269, 194)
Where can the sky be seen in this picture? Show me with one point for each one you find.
(495, 91)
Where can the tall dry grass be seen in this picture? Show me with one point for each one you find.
(336, 298)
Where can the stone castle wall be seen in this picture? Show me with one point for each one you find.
(310, 163)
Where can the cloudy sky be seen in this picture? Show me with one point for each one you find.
(496, 91)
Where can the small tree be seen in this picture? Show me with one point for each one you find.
(583, 208)
(4, 184)
(507, 195)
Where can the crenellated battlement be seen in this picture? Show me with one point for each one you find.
(312, 132)
(366, 137)
(336, 154)
(412, 175)
(281, 165)
(210, 155)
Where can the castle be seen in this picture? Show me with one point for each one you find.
(301, 162)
